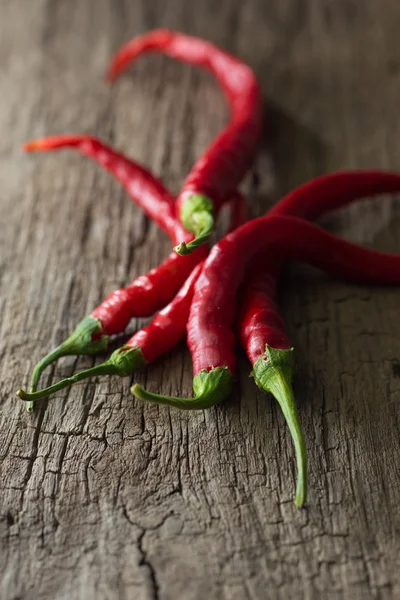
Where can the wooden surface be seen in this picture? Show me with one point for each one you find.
(105, 497)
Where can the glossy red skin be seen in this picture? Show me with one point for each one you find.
(259, 321)
(210, 337)
(169, 326)
(219, 170)
(148, 293)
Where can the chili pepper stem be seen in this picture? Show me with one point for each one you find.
(79, 342)
(210, 387)
(274, 374)
(197, 217)
(123, 362)
(204, 232)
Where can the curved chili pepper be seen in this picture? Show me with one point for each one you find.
(217, 173)
(210, 337)
(146, 294)
(260, 325)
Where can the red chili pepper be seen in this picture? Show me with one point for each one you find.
(220, 169)
(164, 332)
(260, 325)
(146, 294)
(210, 337)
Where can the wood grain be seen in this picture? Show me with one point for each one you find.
(105, 497)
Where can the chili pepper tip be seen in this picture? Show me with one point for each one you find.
(59, 142)
(33, 145)
(117, 65)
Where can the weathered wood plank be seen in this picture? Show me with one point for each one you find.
(103, 497)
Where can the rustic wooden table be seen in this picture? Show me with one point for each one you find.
(105, 497)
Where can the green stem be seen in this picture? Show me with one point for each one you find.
(202, 234)
(274, 375)
(197, 217)
(210, 387)
(123, 362)
(79, 342)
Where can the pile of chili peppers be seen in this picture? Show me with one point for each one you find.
(230, 292)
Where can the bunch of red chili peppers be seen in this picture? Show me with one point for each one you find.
(233, 288)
